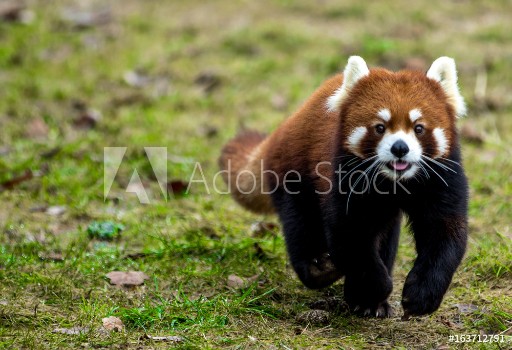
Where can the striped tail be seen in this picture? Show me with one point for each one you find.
(242, 161)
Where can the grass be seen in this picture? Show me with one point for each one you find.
(264, 58)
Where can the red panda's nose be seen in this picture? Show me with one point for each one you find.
(399, 149)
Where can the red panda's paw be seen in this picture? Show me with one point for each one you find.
(420, 299)
(366, 293)
(323, 264)
(319, 273)
(382, 310)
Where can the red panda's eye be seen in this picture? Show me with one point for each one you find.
(418, 129)
(380, 128)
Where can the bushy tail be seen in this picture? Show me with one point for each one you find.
(241, 160)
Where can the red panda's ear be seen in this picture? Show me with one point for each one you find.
(444, 72)
(356, 69)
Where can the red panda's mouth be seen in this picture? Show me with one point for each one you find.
(399, 165)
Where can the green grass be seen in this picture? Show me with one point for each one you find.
(259, 52)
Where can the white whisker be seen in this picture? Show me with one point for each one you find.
(350, 162)
(376, 170)
(424, 170)
(439, 164)
(357, 166)
(359, 179)
(449, 160)
(435, 172)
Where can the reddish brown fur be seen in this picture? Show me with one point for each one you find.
(238, 155)
(312, 134)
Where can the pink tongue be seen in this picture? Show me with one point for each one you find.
(400, 165)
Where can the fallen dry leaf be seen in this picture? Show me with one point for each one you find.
(50, 153)
(39, 237)
(11, 183)
(169, 338)
(38, 208)
(237, 282)
(470, 133)
(177, 187)
(113, 323)
(137, 255)
(136, 78)
(124, 98)
(9, 10)
(37, 129)
(82, 18)
(15, 11)
(87, 119)
(127, 279)
(157, 85)
(450, 323)
(71, 331)
(208, 81)
(261, 229)
(466, 308)
(56, 210)
(314, 317)
(208, 131)
(52, 256)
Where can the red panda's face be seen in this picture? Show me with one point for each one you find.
(402, 119)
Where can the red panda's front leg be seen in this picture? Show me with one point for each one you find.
(367, 289)
(305, 241)
(365, 252)
(440, 243)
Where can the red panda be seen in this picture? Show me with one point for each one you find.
(368, 147)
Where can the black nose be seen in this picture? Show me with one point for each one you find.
(399, 149)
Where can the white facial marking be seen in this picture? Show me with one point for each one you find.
(355, 138)
(414, 114)
(442, 142)
(413, 156)
(384, 114)
(355, 70)
(443, 71)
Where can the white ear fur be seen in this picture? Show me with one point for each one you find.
(356, 69)
(444, 72)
